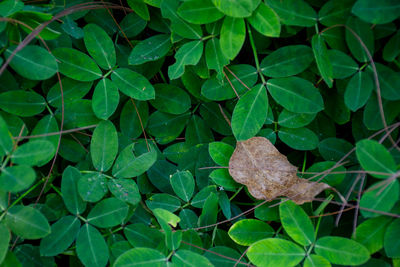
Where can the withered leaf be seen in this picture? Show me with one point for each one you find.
(268, 174)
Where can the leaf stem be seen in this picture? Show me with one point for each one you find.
(253, 47)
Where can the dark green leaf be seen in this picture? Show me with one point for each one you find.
(92, 186)
(22, 103)
(105, 99)
(69, 190)
(108, 213)
(125, 190)
(188, 54)
(133, 84)
(377, 12)
(391, 242)
(104, 146)
(199, 12)
(322, 59)
(143, 257)
(170, 99)
(34, 153)
(17, 178)
(294, 12)
(299, 138)
(91, 247)
(100, 46)
(150, 49)
(358, 90)
(183, 185)
(187, 258)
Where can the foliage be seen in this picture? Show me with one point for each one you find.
(118, 121)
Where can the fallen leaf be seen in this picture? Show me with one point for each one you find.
(268, 174)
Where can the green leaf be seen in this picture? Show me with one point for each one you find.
(295, 120)
(265, 21)
(78, 113)
(199, 12)
(374, 157)
(183, 185)
(33, 62)
(27, 222)
(150, 49)
(6, 142)
(214, 118)
(287, 61)
(236, 8)
(296, 223)
(220, 152)
(215, 58)
(140, 235)
(250, 113)
(69, 189)
(104, 146)
(210, 210)
(140, 8)
(299, 138)
(128, 165)
(22, 103)
(132, 25)
(296, 94)
(334, 148)
(333, 12)
(125, 190)
(343, 66)
(370, 233)
(246, 232)
(374, 12)
(143, 257)
(108, 213)
(170, 99)
(332, 179)
(105, 99)
(17, 178)
(372, 118)
(133, 84)
(275, 252)
(165, 125)
(232, 36)
(48, 124)
(390, 51)
(364, 32)
(163, 201)
(5, 239)
(389, 82)
(100, 46)
(391, 241)
(188, 54)
(222, 178)
(218, 90)
(92, 186)
(187, 258)
(382, 198)
(197, 132)
(129, 121)
(63, 233)
(358, 90)
(340, 250)
(316, 261)
(34, 153)
(76, 65)
(91, 247)
(294, 12)
(322, 58)
(179, 26)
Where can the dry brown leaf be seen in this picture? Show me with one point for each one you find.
(268, 174)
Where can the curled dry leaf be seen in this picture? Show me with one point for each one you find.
(268, 174)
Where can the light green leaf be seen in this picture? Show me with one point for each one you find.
(340, 250)
(322, 58)
(125, 190)
(63, 233)
(133, 84)
(99, 45)
(27, 222)
(265, 21)
(294, 12)
(22, 103)
(76, 64)
(150, 49)
(299, 138)
(34, 153)
(220, 152)
(91, 247)
(272, 252)
(377, 12)
(375, 157)
(108, 213)
(287, 61)
(316, 261)
(296, 223)
(188, 54)
(17, 178)
(248, 231)
(222, 178)
(105, 99)
(143, 257)
(33, 62)
(170, 99)
(215, 59)
(182, 183)
(382, 198)
(232, 36)
(250, 113)
(128, 165)
(296, 94)
(187, 258)
(236, 8)
(69, 189)
(199, 12)
(104, 146)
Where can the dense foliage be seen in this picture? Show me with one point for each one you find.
(119, 119)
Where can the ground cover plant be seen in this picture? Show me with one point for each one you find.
(199, 133)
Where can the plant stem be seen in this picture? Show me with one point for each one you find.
(253, 47)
